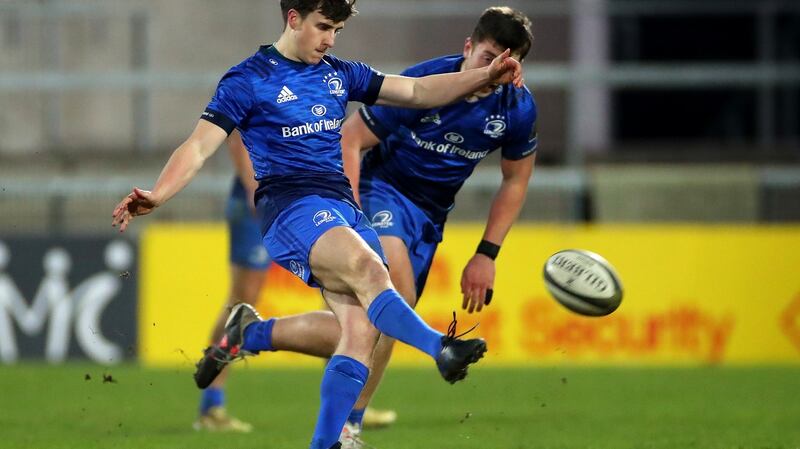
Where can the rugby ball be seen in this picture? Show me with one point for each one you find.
(583, 282)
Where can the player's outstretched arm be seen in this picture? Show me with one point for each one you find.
(478, 274)
(438, 90)
(356, 137)
(182, 166)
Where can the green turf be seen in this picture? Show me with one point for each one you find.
(56, 407)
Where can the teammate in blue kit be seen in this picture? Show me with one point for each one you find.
(419, 159)
(288, 101)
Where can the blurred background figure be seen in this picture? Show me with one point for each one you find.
(249, 261)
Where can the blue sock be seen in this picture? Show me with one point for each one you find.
(356, 416)
(211, 397)
(342, 382)
(258, 336)
(392, 316)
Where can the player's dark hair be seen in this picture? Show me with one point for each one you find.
(334, 10)
(507, 27)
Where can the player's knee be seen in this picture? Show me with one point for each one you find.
(368, 266)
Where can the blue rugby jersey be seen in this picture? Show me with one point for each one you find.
(289, 115)
(428, 154)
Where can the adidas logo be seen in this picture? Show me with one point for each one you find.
(286, 95)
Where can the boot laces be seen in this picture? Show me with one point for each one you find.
(451, 329)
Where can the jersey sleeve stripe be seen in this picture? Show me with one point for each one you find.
(374, 88)
(219, 119)
(524, 154)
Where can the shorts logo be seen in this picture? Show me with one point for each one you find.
(297, 268)
(319, 110)
(495, 126)
(335, 84)
(382, 219)
(273, 62)
(322, 217)
(454, 138)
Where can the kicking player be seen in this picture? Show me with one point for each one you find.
(288, 100)
(419, 159)
(248, 264)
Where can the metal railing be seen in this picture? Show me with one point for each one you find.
(142, 80)
(83, 203)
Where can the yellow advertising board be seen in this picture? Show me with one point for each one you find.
(693, 295)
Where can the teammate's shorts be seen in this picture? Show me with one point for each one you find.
(392, 214)
(244, 229)
(295, 230)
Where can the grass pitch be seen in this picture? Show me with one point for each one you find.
(616, 408)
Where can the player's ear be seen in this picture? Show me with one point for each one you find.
(467, 47)
(293, 19)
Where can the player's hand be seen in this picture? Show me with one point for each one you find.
(476, 281)
(138, 202)
(505, 69)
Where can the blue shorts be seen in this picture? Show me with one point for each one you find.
(295, 230)
(246, 248)
(392, 214)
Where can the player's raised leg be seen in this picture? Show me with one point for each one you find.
(248, 261)
(341, 260)
(362, 271)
